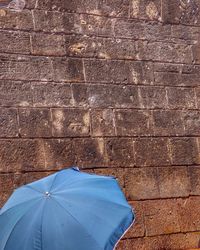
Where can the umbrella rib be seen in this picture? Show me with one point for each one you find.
(77, 222)
(16, 225)
(53, 181)
(28, 186)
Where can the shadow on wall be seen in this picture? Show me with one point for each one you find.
(14, 5)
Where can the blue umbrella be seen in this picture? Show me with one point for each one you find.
(69, 210)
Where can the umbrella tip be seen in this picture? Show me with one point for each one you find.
(47, 194)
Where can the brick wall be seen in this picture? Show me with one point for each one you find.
(114, 88)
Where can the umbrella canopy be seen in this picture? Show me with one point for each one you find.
(69, 210)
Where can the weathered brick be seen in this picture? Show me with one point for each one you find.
(68, 69)
(110, 72)
(80, 95)
(188, 215)
(194, 175)
(102, 122)
(8, 122)
(150, 10)
(173, 182)
(114, 96)
(137, 230)
(51, 94)
(70, 122)
(132, 122)
(161, 217)
(120, 152)
(7, 182)
(59, 153)
(167, 122)
(21, 20)
(197, 92)
(181, 98)
(184, 151)
(185, 12)
(185, 34)
(48, 45)
(15, 42)
(191, 121)
(152, 152)
(35, 122)
(142, 183)
(21, 155)
(15, 93)
(25, 68)
(51, 21)
(90, 152)
(153, 97)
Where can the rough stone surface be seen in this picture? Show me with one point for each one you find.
(112, 86)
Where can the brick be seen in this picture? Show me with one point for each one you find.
(59, 153)
(80, 95)
(194, 175)
(110, 72)
(132, 122)
(8, 122)
(181, 12)
(173, 182)
(184, 151)
(51, 21)
(196, 51)
(4, 197)
(152, 152)
(25, 68)
(191, 121)
(15, 93)
(51, 94)
(197, 92)
(185, 34)
(90, 152)
(7, 182)
(167, 123)
(153, 97)
(105, 96)
(21, 20)
(118, 173)
(181, 98)
(167, 52)
(70, 122)
(119, 152)
(161, 217)
(22, 155)
(68, 70)
(188, 209)
(137, 230)
(142, 184)
(35, 123)
(48, 45)
(102, 122)
(15, 42)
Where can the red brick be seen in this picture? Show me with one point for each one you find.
(167, 122)
(59, 153)
(181, 98)
(132, 122)
(153, 97)
(90, 152)
(119, 152)
(51, 94)
(173, 182)
(35, 123)
(152, 152)
(141, 183)
(161, 217)
(194, 174)
(102, 122)
(150, 10)
(70, 122)
(48, 45)
(8, 122)
(80, 95)
(21, 155)
(68, 70)
(188, 214)
(184, 151)
(191, 121)
(197, 91)
(15, 42)
(7, 182)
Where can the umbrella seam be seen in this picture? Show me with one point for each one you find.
(78, 222)
(42, 225)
